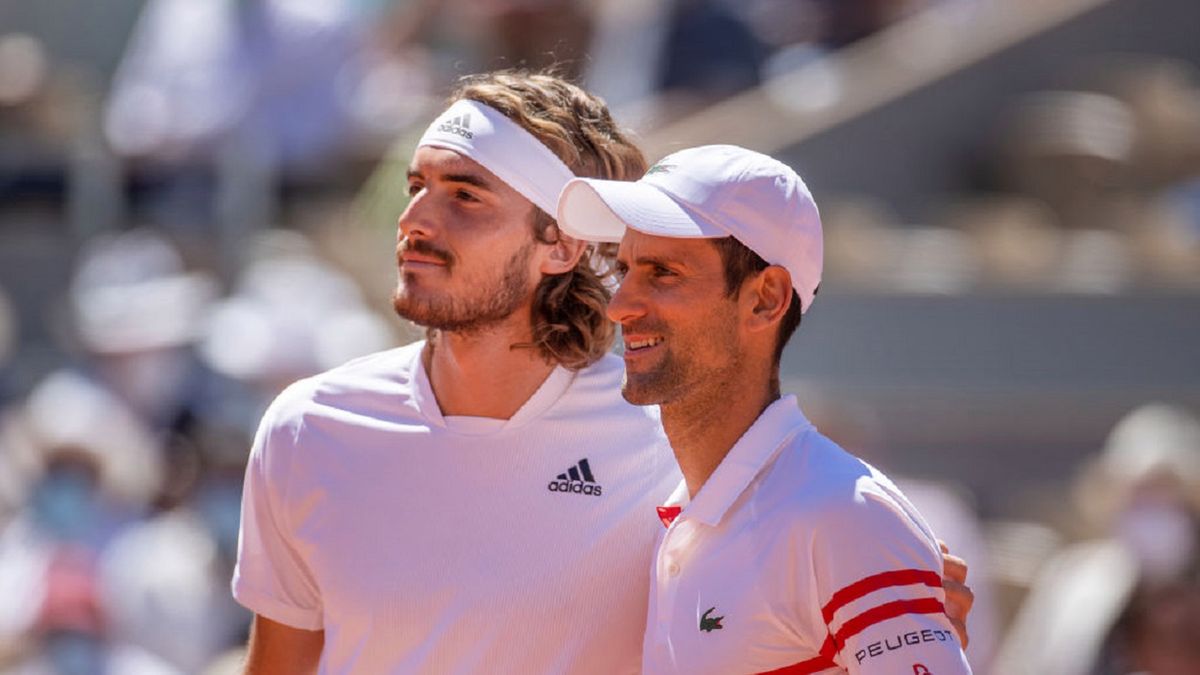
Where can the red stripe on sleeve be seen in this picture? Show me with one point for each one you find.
(813, 665)
(855, 626)
(874, 583)
(884, 612)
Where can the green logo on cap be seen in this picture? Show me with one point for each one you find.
(660, 168)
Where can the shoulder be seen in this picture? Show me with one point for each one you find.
(378, 384)
(390, 373)
(840, 495)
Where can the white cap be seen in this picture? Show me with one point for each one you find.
(708, 192)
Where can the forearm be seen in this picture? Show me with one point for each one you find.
(277, 649)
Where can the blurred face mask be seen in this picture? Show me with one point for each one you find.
(74, 653)
(1161, 535)
(64, 501)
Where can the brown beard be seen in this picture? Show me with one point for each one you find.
(487, 308)
(679, 376)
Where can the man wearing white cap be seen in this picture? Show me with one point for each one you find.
(482, 501)
(781, 552)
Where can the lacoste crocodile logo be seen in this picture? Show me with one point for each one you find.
(660, 168)
(707, 624)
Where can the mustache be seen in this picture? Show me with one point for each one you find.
(425, 248)
(644, 326)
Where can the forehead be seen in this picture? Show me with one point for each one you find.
(431, 158)
(694, 252)
(434, 163)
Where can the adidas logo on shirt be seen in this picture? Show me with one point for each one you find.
(577, 479)
(460, 125)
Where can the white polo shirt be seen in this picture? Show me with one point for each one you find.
(425, 544)
(796, 557)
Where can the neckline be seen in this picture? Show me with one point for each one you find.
(546, 395)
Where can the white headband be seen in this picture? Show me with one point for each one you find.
(485, 135)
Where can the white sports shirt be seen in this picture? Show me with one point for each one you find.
(425, 544)
(796, 557)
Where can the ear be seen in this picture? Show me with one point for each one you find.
(767, 296)
(564, 255)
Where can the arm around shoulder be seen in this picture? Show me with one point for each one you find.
(279, 649)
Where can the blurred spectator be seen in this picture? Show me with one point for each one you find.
(281, 75)
(1126, 601)
(710, 51)
(537, 33)
(1164, 100)
(1018, 239)
(166, 580)
(290, 315)
(135, 313)
(88, 467)
(1117, 162)
(657, 61)
(73, 442)
(96, 582)
(1071, 150)
(220, 104)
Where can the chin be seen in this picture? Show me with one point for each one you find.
(640, 394)
(407, 306)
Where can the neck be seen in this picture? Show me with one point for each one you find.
(480, 374)
(704, 427)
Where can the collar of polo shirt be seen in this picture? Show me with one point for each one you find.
(775, 428)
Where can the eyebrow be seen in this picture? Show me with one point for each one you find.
(658, 260)
(468, 178)
(651, 260)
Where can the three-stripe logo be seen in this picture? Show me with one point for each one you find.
(459, 124)
(576, 480)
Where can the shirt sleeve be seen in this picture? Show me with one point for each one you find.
(878, 575)
(271, 577)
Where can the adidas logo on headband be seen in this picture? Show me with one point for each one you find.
(483, 134)
(460, 125)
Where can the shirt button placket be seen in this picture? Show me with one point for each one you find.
(668, 582)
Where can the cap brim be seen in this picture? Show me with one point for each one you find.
(599, 210)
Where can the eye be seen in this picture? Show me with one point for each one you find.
(662, 271)
(620, 269)
(463, 195)
(414, 188)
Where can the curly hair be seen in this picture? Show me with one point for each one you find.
(569, 322)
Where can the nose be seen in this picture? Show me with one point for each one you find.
(416, 222)
(626, 304)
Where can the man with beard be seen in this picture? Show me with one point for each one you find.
(483, 500)
(781, 553)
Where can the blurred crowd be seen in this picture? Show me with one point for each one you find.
(179, 241)
(1093, 188)
(121, 471)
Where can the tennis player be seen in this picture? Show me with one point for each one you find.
(781, 553)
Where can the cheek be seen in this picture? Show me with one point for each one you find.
(709, 335)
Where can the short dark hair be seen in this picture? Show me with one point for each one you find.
(740, 263)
